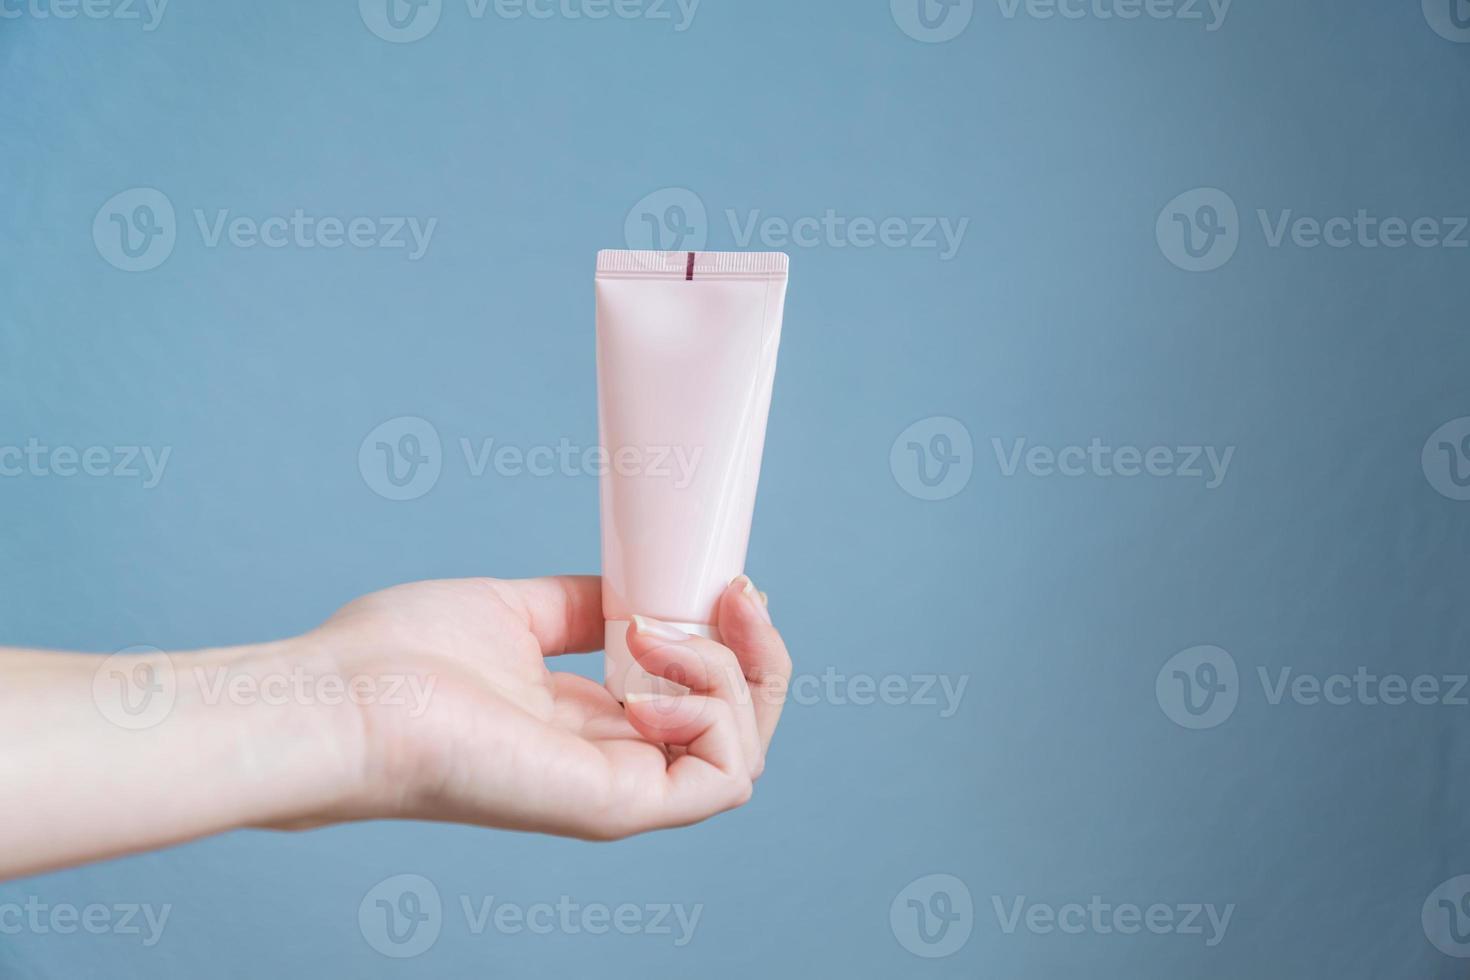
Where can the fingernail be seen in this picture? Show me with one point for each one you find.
(644, 626)
(756, 597)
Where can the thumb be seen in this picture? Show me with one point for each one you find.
(563, 612)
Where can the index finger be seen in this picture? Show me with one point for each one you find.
(745, 627)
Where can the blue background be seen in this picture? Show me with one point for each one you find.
(1061, 319)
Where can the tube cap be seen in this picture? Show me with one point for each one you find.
(621, 673)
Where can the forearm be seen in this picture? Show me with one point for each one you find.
(105, 756)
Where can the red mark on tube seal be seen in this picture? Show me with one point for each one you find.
(689, 268)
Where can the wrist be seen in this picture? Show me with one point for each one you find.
(282, 722)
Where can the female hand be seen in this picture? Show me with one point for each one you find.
(503, 741)
(426, 701)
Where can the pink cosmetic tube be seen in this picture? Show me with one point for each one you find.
(686, 356)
